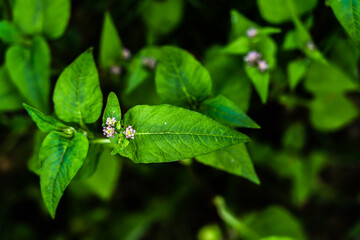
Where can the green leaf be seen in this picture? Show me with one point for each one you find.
(327, 78)
(348, 14)
(112, 108)
(104, 180)
(181, 79)
(226, 112)
(61, 157)
(48, 16)
(234, 160)
(296, 70)
(240, 45)
(77, 95)
(331, 111)
(277, 11)
(34, 161)
(277, 238)
(9, 32)
(10, 98)
(29, 69)
(261, 81)
(161, 17)
(110, 44)
(166, 133)
(44, 123)
(275, 221)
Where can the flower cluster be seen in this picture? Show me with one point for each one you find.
(109, 129)
(149, 62)
(254, 57)
(129, 132)
(252, 32)
(126, 53)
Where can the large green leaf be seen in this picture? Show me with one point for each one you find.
(29, 69)
(240, 45)
(110, 43)
(48, 16)
(112, 108)
(331, 111)
(61, 157)
(44, 123)
(226, 112)
(277, 11)
(234, 159)
(166, 133)
(327, 78)
(10, 98)
(348, 14)
(77, 95)
(9, 32)
(181, 79)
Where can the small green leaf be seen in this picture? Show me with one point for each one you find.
(234, 160)
(61, 157)
(226, 112)
(29, 69)
(161, 17)
(10, 98)
(261, 81)
(277, 11)
(48, 16)
(240, 45)
(9, 32)
(110, 44)
(181, 79)
(44, 123)
(331, 111)
(112, 108)
(294, 137)
(327, 78)
(348, 14)
(296, 70)
(166, 133)
(77, 95)
(34, 161)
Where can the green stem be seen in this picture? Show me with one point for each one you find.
(100, 141)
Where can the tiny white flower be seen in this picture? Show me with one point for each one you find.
(262, 65)
(116, 70)
(252, 57)
(149, 62)
(126, 53)
(252, 32)
(311, 46)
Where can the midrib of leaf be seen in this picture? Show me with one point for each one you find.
(183, 87)
(58, 169)
(192, 134)
(78, 99)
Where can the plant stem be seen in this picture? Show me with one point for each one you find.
(100, 141)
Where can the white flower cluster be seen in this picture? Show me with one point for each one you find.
(109, 129)
(129, 132)
(253, 57)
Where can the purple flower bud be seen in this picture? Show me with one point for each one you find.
(262, 65)
(252, 32)
(252, 57)
(111, 121)
(149, 62)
